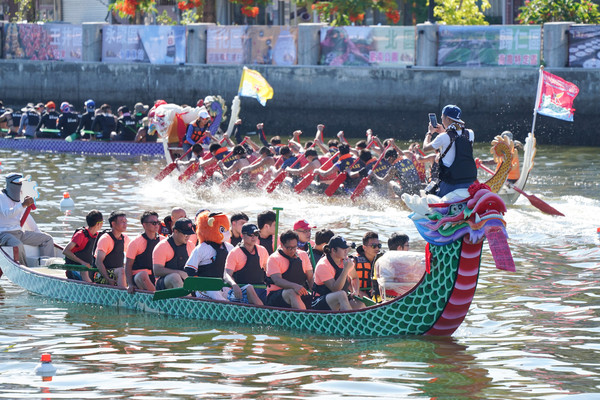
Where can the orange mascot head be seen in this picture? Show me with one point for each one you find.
(212, 227)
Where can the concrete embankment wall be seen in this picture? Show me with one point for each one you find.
(391, 101)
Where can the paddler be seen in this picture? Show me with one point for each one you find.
(169, 256)
(79, 251)
(11, 211)
(111, 246)
(138, 264)
(291, 273)
(366, 255)
(334, 277)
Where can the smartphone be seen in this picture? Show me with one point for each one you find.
(433, 120)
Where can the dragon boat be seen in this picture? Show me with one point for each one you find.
(83, 147)
(436, 305)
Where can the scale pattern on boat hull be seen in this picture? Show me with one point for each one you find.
(413, 314)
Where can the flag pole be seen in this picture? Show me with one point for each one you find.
(537, 97)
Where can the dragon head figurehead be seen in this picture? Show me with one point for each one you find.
(470, 219)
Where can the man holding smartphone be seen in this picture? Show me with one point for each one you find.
(455, 144)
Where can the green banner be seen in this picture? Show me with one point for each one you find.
(489, 46)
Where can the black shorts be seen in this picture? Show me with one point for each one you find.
(320, 303)
(160, 283)
(275, 299)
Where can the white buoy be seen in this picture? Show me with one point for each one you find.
(66, 204)
(45, 369)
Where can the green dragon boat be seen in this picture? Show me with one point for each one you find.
(436, 305)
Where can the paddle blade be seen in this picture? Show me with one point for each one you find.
(539, 203)
(189, 171)
(166, 171)
(72, 267)
(304, 183)
(341, 178)
(208, 173)
(264, 180)
(499, 248)
(170, 293)
(231, 180)
(360, 188)
(203, 284)
(276, 182)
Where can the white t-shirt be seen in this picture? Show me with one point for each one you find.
(203, 254)
(442, 141)
(10, 214)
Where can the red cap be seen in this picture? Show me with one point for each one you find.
(66, 195)
(46, 357)
(50, 104)
(302, 224)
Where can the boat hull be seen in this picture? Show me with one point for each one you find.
(415, 313)
(84, 147)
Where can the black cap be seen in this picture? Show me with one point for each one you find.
(250, 229)
(123, 109)
(185, 226)
(338, 242)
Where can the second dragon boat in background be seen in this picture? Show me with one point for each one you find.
(84, 147)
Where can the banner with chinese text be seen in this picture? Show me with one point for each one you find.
(42, 42)
(155, 44)
(489, 46)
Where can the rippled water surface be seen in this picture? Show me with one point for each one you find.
(530, 334)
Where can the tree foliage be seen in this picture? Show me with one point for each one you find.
(540, 11)
(461, 12)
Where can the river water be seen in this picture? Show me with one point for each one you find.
(534, 333)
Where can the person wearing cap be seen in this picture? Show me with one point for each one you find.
(197, 131)
(12, 209)
(49, 122)
(126, 130)
(303, 229)
(68, 121)
(170, 256)
(138, 258)
(105, 123)
(290, 273)
(334, 277)
(111, 247)
(237, 220)
(79, 251)
(322, 237)
(29, 121)
(365, 257)
(455, 144)
(87, 119)
(245, 266)
(140, 111)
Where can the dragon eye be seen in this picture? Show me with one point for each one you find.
(456, 208)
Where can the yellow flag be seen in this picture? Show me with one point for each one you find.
(254, 85)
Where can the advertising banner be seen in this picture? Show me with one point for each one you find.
(272, 45)
(155, 44)
(489, 46)
(386, 46)
(42, 42)
(584, 46)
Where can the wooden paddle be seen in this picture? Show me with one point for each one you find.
(193, 167)
(192, 284)
(341, 178)
(281, 176)
(210, 170)
(169, 168)
(235, 176)
(306, 181)
(360, 188)
(72, 267)
(535, 201)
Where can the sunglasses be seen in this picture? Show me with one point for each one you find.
(251, 234)
(290, 248)
(152, 222)
(375, 246)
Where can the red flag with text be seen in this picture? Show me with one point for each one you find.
(555, 96)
